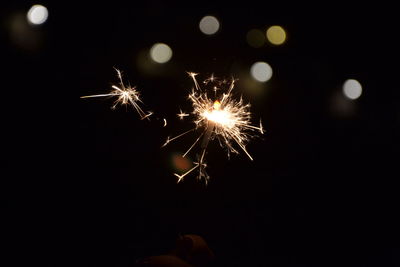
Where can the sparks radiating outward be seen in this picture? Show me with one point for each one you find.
(126, 95)
(221, 117)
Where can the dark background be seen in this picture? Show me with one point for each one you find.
(89, 186)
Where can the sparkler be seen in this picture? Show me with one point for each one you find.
(221, 117)
(125, 95)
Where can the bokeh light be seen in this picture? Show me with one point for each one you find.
(160, 53)
(261, 71)
(276, 35)
(209, 25)
(37, 14)
(340, 106)
(179, 163)
(352, 89)
(255, 38)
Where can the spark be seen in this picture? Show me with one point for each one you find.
(193, 75)
(222, 117)
(182, 114)
(212, 78)
(125, 95)
(165, 122)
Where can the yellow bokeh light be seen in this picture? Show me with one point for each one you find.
(255, 38)
(276, 35)
(160, 53)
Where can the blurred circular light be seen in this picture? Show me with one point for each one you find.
(255, 38)
(209, 25)
(180, 163)
(276, 35)
(37, 14)
(160, 53)
(261, 71)
(352, 89)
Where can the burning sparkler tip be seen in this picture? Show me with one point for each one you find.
(222, 117)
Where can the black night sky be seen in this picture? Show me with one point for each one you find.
(85, 185)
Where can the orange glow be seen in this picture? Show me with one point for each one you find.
(180, 163)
